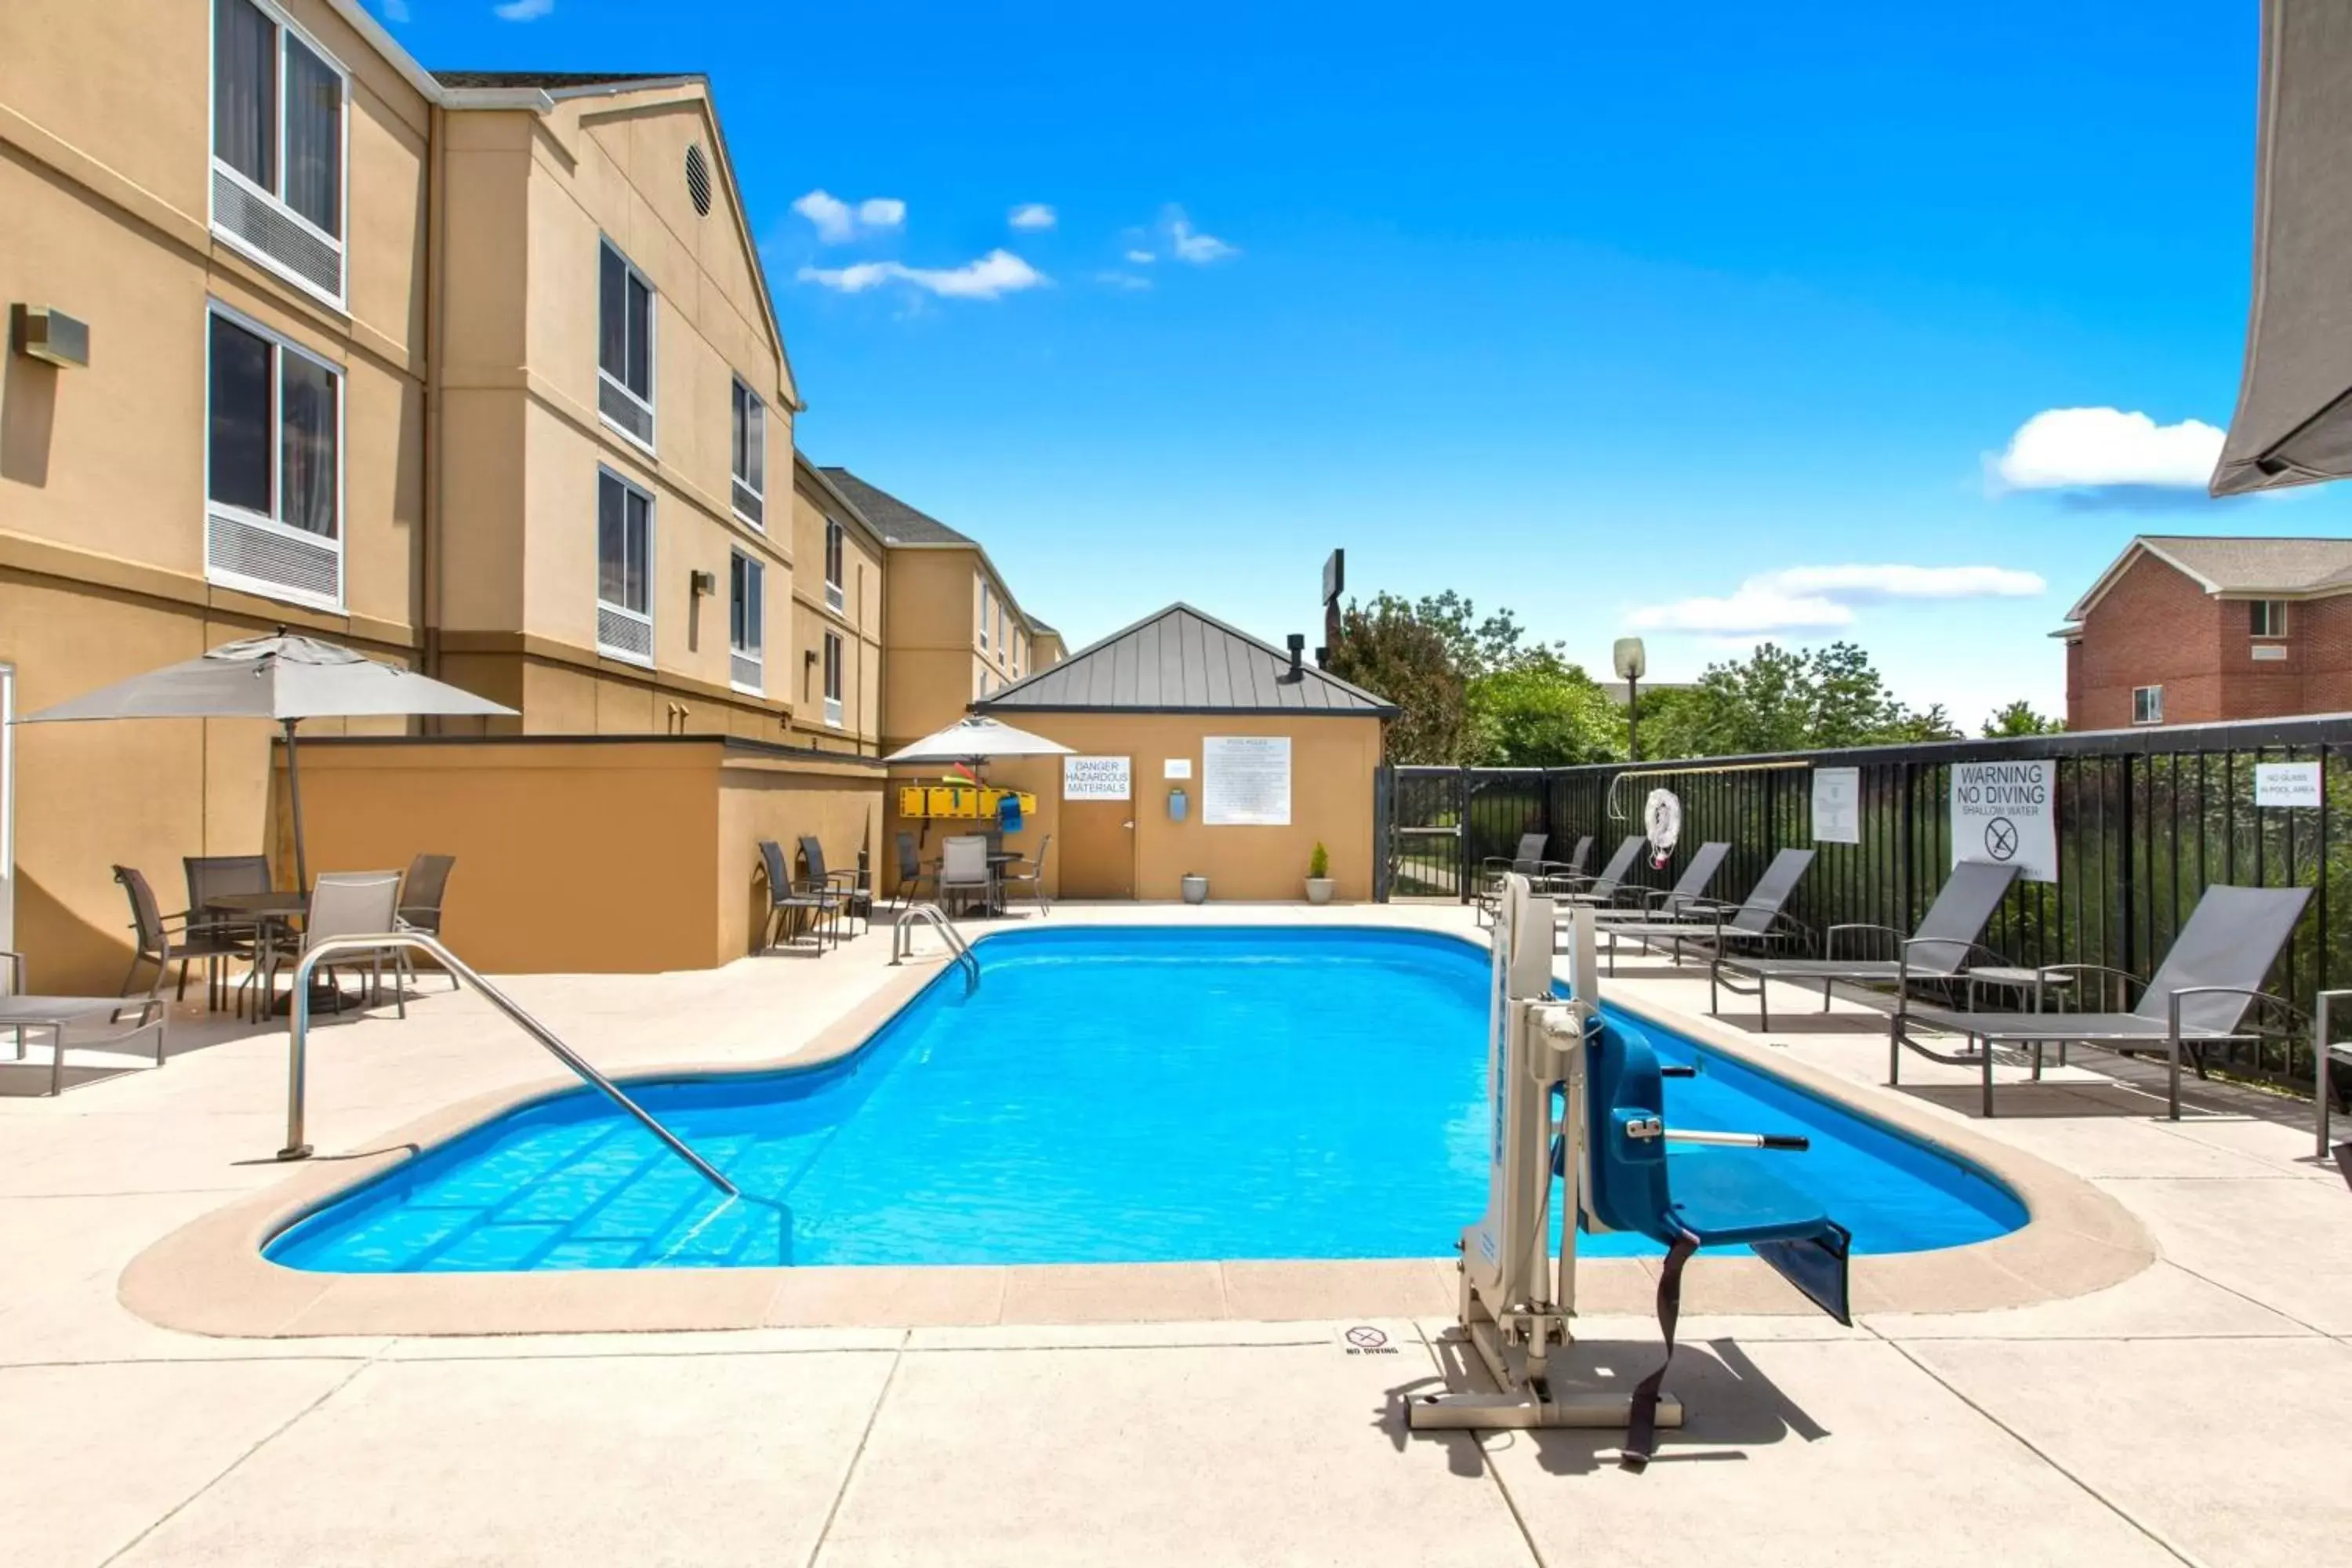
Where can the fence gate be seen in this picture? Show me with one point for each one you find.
(1424, 849)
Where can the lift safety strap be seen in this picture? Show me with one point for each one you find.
(1641, 1423)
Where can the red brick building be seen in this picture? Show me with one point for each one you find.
(2188, 630)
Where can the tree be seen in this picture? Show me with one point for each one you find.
(1779, 700)
(1389, 650)
(1542, 712)
(1478, 648)
(2019, 718)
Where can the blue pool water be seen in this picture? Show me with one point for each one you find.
(1107, 1095)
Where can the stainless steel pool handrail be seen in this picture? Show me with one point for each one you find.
(902, 947)
(297, 1050)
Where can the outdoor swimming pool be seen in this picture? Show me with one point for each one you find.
(1108, 1094)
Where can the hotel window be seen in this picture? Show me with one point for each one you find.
(833, 679)
(624, 549)
(751, 457)
(2147, 704)
(273, 465)
(278, 168)
(2267, 618)
(983, 617)
(836, 542)
(625, 347)
(746, 608)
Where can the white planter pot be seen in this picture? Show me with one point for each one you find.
(1318, 890)
(1196, 889)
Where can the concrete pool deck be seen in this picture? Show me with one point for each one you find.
(2188, 1410)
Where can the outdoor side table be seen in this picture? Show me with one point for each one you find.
(2030, 985)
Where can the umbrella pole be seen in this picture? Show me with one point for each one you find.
(294, 800)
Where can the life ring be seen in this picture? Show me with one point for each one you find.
(1662, 816)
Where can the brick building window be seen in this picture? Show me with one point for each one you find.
(2266, 619)
(2147, 704)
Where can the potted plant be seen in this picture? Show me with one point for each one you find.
(1196, 888)
(1318, 876)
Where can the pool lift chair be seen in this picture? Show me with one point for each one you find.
(1576, 1098)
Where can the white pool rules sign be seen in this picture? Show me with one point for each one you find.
(2007, 812)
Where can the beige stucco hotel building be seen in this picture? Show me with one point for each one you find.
(477, 372)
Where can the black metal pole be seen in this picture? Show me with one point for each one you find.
(294, 803)
(1632, 719)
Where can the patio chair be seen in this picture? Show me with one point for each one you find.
(787, 903)
(1761, 921)
(21, 1014)
(2327, 1052)
(963, 869)
(209, 876)
(156, 941)
(912, 872)
(2199, 996)
(1939, 950)
(841, 885)
(1604, 887)
(356, 903)
(1033, 878)
(422, 893)
(1688, 895)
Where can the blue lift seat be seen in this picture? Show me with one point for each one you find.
(1690, 1201)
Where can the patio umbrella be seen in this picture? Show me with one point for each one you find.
(2293, 423)
(976, 740)
(281, 678)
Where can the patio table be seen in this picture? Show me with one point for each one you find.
(273, 914)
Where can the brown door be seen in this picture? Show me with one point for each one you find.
(1097, 848)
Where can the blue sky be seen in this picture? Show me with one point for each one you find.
(1708, 321)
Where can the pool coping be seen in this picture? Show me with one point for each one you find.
(210, 1277)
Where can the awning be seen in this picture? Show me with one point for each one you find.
(2293, 423)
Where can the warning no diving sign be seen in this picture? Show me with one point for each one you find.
(2007, 812)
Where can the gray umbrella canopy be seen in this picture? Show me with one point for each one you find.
(2293, 423)
(283, 679)
(975, 740)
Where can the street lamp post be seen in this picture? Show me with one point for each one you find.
(1633, 663)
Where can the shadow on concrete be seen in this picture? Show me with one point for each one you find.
(1728, 1405)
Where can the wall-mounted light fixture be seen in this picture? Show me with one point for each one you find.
(47, 333)
(701, 583)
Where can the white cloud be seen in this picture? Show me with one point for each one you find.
(1188, 244)
(2092, 448)
(999, 272)
(1142, 257)
(522, 10)
(1822, 598)
(837, 221)
(1032, 215)
(1126, 280)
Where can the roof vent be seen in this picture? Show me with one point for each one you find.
(698, 177)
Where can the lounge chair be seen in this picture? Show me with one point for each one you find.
(20, 1014)
(2199, 995)
(1528, 863)
(1604, 887)
(1761, 921)
(1939, 950)
(786, 903)
(1687, 896)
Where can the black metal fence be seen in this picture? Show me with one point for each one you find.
(2145, 821)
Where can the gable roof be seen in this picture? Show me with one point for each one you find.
(898, 523)
(2272, 568)
(1183, 661)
